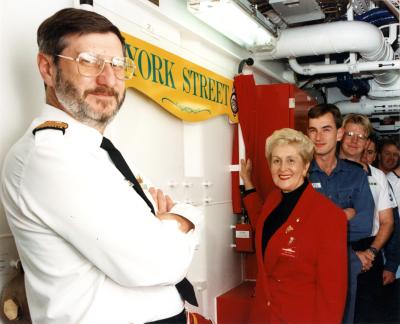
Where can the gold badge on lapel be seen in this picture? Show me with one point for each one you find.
(141, 182)
(289, 229)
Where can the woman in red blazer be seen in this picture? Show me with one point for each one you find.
(300, 239)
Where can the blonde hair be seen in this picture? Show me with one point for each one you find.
(288, 136)
(358, 119)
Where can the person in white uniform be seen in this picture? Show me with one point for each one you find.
(388, 154)
(388, 158)
(357, 129)
(92, 249)
(392, 292)
(369, 157)
(394, 180)
(370, 152)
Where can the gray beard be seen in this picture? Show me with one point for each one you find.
(74, 104)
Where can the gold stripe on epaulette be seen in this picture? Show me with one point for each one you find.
(50, 124)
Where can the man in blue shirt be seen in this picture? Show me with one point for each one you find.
(346, 184)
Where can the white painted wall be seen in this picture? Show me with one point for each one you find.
(179, 157)
(21, 94)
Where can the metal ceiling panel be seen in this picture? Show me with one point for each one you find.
(297, 11)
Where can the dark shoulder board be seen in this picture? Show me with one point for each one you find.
(354, 163)
(50, 124)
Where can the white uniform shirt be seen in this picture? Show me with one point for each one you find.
(91, 249)
(383, 196)
(394, 180)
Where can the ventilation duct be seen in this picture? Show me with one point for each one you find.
(367, 106)
(383, 113)
(337, 37)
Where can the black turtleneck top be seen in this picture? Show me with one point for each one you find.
(281, 213)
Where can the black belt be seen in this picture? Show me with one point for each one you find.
(177, 319)
(362, 244)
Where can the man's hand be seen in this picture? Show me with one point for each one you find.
(388, 277)
(164, 205)
(366, 260)
(163, 202)
(350, 212)
(184, 224)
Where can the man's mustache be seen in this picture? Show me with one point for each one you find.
(102, 90)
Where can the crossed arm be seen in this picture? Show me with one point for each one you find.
(164, 205)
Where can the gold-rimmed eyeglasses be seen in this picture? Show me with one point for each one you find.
(92, 65)
(356, 136)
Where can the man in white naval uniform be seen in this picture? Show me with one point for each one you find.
(357, 129)
(92, 250)
(394, 179)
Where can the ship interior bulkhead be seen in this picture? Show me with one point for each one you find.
(343, 52)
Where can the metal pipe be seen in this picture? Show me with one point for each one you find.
(329, 38)
(336, 37)
(367, 106)
(312, 69)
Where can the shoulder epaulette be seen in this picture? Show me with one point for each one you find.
(50, 124)
(354, 163)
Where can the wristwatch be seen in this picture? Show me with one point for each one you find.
(373, 250)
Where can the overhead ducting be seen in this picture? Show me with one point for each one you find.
(369, 106)
(337, 37)
(383, 113)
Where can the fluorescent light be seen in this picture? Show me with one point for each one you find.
(229, 18)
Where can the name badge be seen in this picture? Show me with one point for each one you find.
(316, 185)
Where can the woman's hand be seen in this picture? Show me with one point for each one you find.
(245, 173)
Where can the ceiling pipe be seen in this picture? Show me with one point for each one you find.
(357, 67)
(367, 106)
(335, 37)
